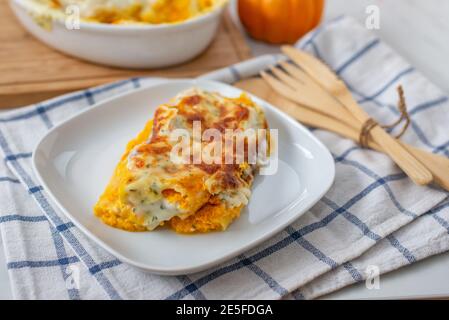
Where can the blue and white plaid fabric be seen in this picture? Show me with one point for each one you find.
(373, 216)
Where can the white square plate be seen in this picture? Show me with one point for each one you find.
(75, 160)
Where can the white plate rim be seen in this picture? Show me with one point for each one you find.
(212, 263)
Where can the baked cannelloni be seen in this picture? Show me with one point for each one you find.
(155, 184)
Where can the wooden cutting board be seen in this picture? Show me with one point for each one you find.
(31, 72)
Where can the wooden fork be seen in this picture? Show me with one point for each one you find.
(290, 83)
(325, 78)
(437, 165)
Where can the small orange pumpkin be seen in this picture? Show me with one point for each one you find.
(279, 21)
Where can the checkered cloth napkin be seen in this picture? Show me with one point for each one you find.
(373, 216)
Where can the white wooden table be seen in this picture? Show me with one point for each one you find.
(418, 30)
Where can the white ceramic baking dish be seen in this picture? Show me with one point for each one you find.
(125, 46)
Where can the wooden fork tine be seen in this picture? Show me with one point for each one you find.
(287, 78)
(286, 91)
(306, 61)
(329, 103)
(281, 88)
(295, 72)
(309, 95)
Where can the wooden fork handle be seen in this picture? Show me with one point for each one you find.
(436, 164)
(407, 162)
(404, 159)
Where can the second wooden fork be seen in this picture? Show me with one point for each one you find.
(293, 83)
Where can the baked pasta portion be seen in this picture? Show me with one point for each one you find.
(156, 184)
(135, 11)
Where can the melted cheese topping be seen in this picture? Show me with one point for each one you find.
(148, 190)
(136, 11)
